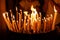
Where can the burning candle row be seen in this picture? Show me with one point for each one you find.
(31, 23)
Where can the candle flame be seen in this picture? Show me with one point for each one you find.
(33, 15)
(33, 10)
(55, 9)
(26, 12)
(4, 15)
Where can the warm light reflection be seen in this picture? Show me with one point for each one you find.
(30, 23)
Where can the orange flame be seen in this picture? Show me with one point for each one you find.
(55, 9)
(33, 15)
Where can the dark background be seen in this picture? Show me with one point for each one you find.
(9, 35)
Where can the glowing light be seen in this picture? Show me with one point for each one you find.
(26, 12)
(55, 9)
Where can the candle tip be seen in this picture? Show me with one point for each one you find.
(16, 8)
(10, 10)
(44, 17)
(55, 9)
(26, 12)
(4, 15)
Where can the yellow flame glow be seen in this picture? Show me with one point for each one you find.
(26, 12)
(33, 15)
(55, 9)
(4, 15)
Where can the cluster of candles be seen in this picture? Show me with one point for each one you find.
(30, 23)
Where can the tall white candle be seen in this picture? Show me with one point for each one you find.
(28, 21)
(54, 20)
(11, 14)
(44, 24)
(25, 23)
(19, 23)
(16, 13)
(13, 22)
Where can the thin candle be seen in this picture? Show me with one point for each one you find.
(9, 25)
(25, 23)
(13, 23)
(19, 23)
(54, 20)
(28, 21)
(51, 20)
(44, 24)
(16, 13)
(38, 24)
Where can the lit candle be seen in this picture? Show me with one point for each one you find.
(16, 13)
(21, 16)
(26, 13)
(8, 18)
(25, 23)
(40, 17)
(11, 14)
(9, 26)
(21, 13)
(33, 15)
(13, 23)
(44, 24)
(38, 24)
(20, 19)
(28, 21)
(51, 17)
(54, 20)
(33, 22)
(40, 20)
(19, 23)
(17, 26)
(48, 23)
(51, 21)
